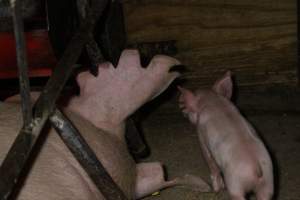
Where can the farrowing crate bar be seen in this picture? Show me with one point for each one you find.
(21, 149)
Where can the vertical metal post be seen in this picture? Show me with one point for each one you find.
(135, 141)
(7, 182)
(16, 7)
(19, 152)
(95, 55)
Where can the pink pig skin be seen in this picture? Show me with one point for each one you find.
(229, 143)
(99, 113)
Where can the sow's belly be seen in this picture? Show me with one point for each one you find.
(53, 172)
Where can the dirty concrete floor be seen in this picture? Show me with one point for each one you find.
(174, 142)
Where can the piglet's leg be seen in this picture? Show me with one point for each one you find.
(216, 178)
(150, 179)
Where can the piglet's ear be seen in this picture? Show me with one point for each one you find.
(223, 86)
(187, 100)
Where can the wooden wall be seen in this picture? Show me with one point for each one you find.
(256, 39)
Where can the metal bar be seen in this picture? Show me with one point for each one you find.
(19, 152)
(46, 102)
(16, 7)
(86, 157)
(7, 182)
(94, 54)
(135, 142)
(113, 33)
(11, 168)
(92, 48)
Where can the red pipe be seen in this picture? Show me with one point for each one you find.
(39, 52)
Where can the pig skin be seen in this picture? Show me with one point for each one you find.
(99, 114)
(55, 174)
(230, 145)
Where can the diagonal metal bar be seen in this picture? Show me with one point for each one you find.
(16, 8)
(19, 152)
(11, 166)
(86, 157)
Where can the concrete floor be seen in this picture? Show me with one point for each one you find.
(174, 142)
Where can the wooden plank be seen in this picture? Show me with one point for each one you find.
(257, 40)
(278, 99)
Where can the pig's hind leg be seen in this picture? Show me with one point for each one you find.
(216, 177)
(150, 179)
(236, 191)
(264, 190)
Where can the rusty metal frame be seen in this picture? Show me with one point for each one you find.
(20, 151)
(22, 62)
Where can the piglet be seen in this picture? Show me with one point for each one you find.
(234, 153)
